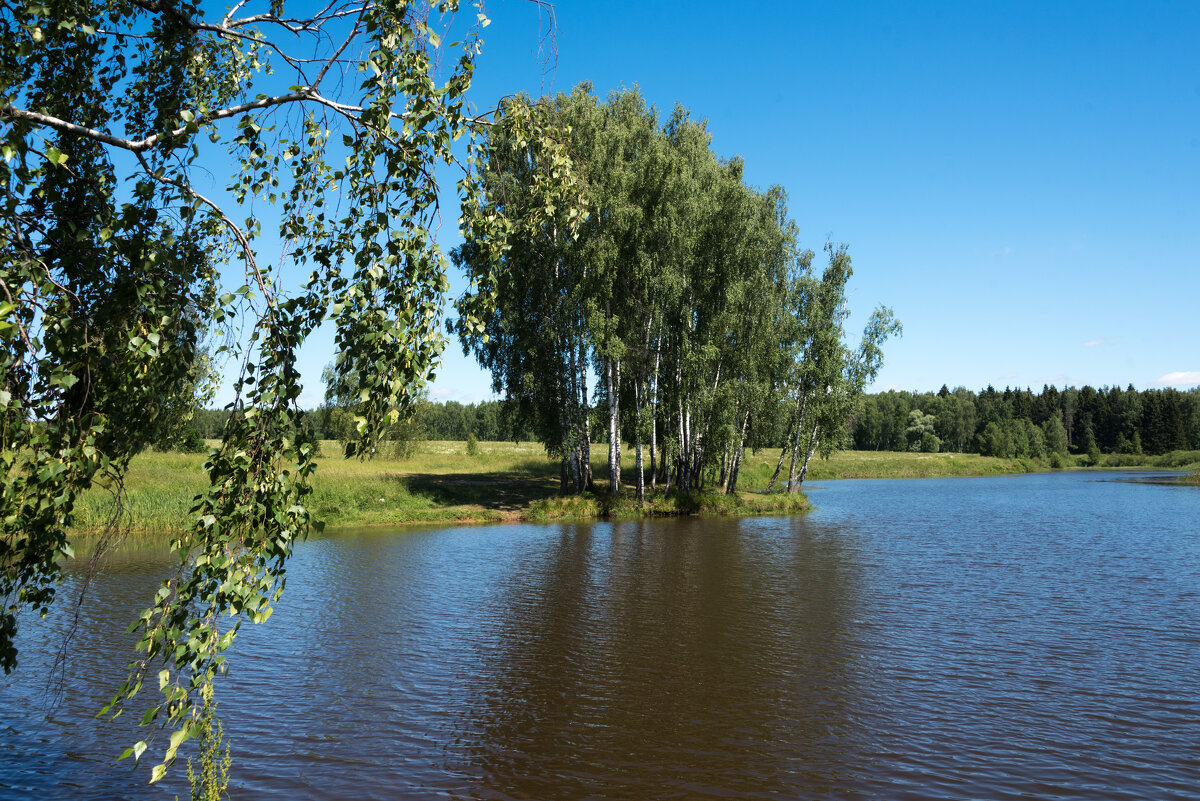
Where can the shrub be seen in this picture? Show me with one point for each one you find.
(472, 445)
(404, 448)
(191, 442)
(1179, 458)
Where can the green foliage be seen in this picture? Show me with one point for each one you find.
(994, 440)
(681, 287)
(920, 432)
(209, 779)
(1177, 459)
(191, 442)
(1020, 422)
(472, 445)
(405, 439)
(115, 271)
(1055, 435)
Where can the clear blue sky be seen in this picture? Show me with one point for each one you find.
(1019, 181)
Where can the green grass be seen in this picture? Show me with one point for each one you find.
(756, 472)
(504, 481)
(159, 488)
(664, 504)
(1175, 460)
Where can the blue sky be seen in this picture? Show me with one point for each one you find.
(1020, 182)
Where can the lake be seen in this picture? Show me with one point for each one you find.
(1030, 636)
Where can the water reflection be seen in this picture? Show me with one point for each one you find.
(710, 658)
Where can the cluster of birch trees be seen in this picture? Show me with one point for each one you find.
(681, 303)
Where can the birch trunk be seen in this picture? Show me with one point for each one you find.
(791, 485)
(614, 427)
(638, 471)
(585, 422)
(812, 448)
(681, 461)
(783, 451)
(665, 461)
(779, 465)
(697, 449)
(731, 487)
(569, 478)
(654, 424)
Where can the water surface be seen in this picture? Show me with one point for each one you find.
(1011, 637)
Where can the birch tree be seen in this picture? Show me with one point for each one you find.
(114, 254)
(682, 290)
(831, 376)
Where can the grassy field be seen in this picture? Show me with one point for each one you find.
(504, 481)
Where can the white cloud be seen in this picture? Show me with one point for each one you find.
(452, 393)
(1092, 343)
(1186, 378)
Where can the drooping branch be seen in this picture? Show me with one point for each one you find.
(305, 95)
(149, 143)
(238, 233)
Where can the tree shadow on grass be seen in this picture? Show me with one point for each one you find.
(505, 491)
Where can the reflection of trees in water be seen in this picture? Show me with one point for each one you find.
(694, 656)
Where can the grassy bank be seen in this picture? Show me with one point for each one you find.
(664, 504)
(506, 481)
(889, 464)
(1175, 460)
(441, 483)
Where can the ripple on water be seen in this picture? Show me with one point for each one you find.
(1029, 637)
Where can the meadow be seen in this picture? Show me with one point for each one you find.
(509, 481)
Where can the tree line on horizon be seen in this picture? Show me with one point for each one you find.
(487, 421)
(1021, 423)
(1009, 423)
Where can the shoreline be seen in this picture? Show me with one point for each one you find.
(507, 482)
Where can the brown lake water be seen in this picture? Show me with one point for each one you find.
(990, 638)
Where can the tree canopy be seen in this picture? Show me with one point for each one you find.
(1016, 422)
(119, 262)
(682, 288)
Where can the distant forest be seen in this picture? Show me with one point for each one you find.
(487, 421)
(1008, 423)
(1020, 423)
